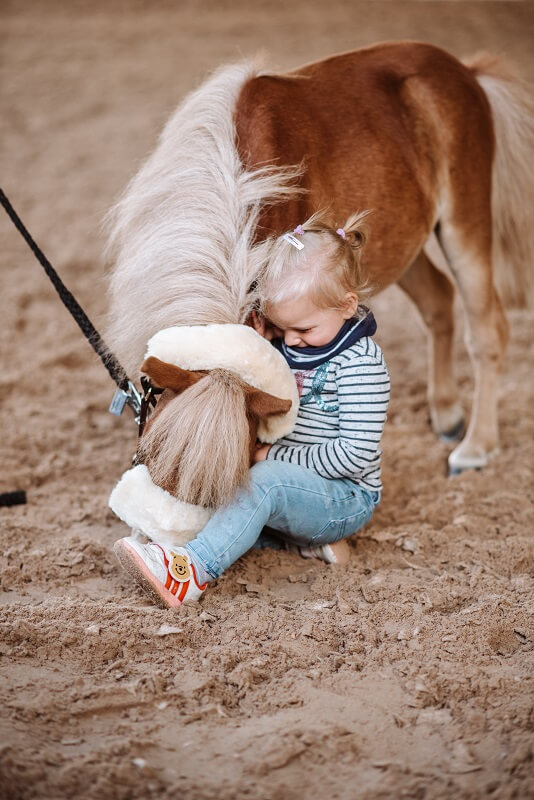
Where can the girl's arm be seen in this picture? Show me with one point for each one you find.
(363, 395)
(260, 453)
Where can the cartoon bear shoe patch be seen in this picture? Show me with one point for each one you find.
(179, 568)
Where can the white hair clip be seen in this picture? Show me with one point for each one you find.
(293, 240)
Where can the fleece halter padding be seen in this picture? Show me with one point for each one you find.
(238, 348)
(149, 509)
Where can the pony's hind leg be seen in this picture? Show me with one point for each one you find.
(468, 249)
(433, 295)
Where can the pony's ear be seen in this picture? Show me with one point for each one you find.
(261, 404)
(168, 376)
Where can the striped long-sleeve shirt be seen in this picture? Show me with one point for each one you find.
(341, 416)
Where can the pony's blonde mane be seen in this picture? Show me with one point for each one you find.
(181, 236)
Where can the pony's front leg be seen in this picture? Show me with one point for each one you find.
(486, 338)
(433, 295)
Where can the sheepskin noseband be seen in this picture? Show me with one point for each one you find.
(149, 509)
(238, 348)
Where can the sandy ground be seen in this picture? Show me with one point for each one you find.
(407, 673)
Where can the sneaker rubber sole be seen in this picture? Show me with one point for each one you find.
(136, 568)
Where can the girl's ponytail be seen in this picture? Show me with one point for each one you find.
(355, 230)
(316, 259)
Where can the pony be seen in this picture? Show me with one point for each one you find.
(441, 152)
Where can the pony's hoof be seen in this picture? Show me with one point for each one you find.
(448, 422)
(458, 470)
(454, 434)
(461, 462)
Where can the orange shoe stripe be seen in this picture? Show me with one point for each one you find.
(169, 580)
(183, 591)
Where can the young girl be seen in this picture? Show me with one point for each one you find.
(321, 483)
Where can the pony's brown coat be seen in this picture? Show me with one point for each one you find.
(407, 131)
(169, 376)
(382, 129)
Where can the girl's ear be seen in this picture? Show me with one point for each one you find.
(349, 306)
(262, 404)
(168, 376)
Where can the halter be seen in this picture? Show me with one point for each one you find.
(136, 499)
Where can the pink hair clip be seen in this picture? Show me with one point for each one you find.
(299, 230)
(341, 232)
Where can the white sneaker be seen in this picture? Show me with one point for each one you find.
(166, 573)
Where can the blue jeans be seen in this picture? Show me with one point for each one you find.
(296, 503)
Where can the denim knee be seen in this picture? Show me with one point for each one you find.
(265, 474)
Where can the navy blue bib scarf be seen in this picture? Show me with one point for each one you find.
(353, 329)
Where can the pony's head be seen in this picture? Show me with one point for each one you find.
(199, 442)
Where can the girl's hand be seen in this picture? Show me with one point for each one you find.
(261, 451)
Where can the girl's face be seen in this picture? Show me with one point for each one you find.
(302, 324)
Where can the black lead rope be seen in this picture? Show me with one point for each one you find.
(126, 394)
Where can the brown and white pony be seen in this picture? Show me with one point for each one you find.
(429, 144)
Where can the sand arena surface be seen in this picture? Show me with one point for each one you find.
(407, 673)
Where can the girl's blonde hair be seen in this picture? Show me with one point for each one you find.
(325, 269)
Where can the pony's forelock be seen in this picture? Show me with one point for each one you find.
(204, 463)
